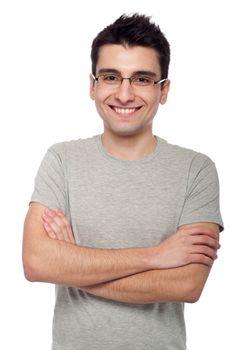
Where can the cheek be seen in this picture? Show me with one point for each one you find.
(153, 102)
(152, 106)
(100, 103)
(99, 96)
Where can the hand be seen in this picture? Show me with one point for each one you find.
(57, 226)
(192, 244)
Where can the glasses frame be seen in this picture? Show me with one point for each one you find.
(130, 79)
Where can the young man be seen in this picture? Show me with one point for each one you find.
(144, 215)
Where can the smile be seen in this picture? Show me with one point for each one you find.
(125, 111)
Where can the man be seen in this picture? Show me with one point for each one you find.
(125, 224)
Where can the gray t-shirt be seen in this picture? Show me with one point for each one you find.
(114, 203)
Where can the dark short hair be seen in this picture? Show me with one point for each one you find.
(133, 30)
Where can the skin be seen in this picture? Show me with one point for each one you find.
(190, 243)
(128, 135)
(174, 270)
(77, 266)
(183, 247)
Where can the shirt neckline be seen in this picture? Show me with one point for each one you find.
(111, 158)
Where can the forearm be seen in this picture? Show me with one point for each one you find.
(182, 284)
(59, 262)
(51, 256)
(66, 264)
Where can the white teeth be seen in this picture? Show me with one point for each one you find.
(124, 110)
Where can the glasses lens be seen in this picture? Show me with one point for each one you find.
(142, 80)
(116, 80)
(110, 79)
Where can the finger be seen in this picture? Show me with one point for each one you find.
(56, 224)
(203, 230)
(48, 215)
(206, 240)
(200, 259)
(57, 230)
(59, 212)
(207, 251)
(45, 217)
(49, 212)
(69, 233)
(49, 230)
(61, 221)
(59, 224)
(64, 226)
(69, 230)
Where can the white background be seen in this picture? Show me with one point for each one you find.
(44, 67)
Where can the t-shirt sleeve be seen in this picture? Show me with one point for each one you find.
(50, 183)
(202, 195)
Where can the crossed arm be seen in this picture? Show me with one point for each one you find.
(174, 270)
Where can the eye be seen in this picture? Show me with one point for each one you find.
(110, 78)
(142, 80)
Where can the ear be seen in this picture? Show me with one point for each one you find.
(91, 87)
(164, 92)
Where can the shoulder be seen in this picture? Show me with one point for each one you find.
(69, 149)
(181, 156)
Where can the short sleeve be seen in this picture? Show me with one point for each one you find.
(50, 183)
(202, 195)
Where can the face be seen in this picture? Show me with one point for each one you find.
(127, 110)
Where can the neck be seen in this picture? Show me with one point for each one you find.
(133, 147)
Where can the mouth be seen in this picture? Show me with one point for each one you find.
(125, 111)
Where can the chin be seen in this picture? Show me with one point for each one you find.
(123, 131)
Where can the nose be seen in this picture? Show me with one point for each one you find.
(125, 92)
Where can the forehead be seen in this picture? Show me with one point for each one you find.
(128, 59)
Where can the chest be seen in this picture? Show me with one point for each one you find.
(111, 208)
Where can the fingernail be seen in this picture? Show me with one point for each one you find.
(49, 212)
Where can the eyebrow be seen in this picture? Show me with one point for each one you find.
(139, 72)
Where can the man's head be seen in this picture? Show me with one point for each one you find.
(130, 60)
(135, 30)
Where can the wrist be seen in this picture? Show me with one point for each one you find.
(151, 255)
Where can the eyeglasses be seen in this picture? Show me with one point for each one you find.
(115, 80)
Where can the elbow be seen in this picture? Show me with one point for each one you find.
(35, 262)
(192, 298)
(29, 274)
(30, 269)
(194, 282)
(193, 293)
(37, 267)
